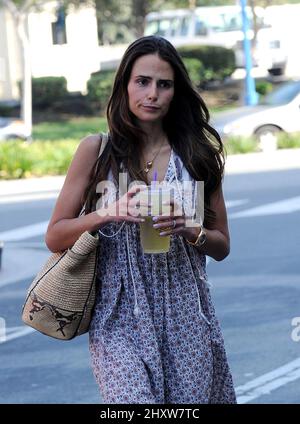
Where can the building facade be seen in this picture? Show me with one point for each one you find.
(59, 46)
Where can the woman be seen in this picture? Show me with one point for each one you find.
(154, 336)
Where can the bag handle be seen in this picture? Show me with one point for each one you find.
(103, 142)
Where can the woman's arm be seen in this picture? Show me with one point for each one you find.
(217, 244)
(65, 226)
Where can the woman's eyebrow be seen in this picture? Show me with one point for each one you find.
(147, 77)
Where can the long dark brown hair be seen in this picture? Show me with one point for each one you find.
(186, 126)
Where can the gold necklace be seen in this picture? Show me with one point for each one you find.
(150, 162)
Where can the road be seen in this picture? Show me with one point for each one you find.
(256, 291)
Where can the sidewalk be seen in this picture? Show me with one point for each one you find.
(282, 159)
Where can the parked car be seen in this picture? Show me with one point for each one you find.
(11, 128)
(278, 111)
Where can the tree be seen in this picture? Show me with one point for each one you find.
(114, 21)
(121, 21)
(19, 12)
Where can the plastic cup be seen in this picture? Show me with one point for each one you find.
(151, 241)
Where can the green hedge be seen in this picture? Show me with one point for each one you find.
(235, 145)
(99, 89)
(48, 90)
(263, 87)
(20, 160)
(288, 141)
(195, 69)
(217, 62)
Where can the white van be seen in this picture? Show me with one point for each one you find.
(284, 20)
(213, 25)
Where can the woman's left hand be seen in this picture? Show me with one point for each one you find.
(165, 223)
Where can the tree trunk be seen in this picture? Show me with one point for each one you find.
(26, 103)
(139, 10)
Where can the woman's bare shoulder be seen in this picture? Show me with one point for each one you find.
(84, 158)
(68, 204)
(91, 144)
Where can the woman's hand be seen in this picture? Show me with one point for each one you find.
(217, 244)
(165, 223)
(125, 208)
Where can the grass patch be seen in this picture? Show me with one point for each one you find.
(74, 128)
(288, 141)
(235, 145)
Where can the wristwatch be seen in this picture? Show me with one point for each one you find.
(201, 238)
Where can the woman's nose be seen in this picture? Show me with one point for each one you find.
(152, 91)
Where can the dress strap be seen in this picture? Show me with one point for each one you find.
(104, 139)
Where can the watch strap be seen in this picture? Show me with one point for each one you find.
(196, 242)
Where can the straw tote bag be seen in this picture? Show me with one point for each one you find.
(60, 300)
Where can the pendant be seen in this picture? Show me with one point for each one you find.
(148, 166)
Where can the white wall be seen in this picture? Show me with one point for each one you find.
(75, 60)
(10, 58)
(285, 21)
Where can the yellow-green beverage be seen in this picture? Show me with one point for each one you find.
(151, 241)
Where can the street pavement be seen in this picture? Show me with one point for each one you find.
(256, 289)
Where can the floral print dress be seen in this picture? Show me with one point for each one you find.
(154, 336)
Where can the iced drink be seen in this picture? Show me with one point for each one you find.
(151, 241)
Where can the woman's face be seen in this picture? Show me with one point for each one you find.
(150, 88)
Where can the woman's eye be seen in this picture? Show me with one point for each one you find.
(141, 81)
(165, 84)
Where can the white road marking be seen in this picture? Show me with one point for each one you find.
(274, 208)
(12, 333)
(25, 232)
(233, 203)
(18, 198)
(268, 382)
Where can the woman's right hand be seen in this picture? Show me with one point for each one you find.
(126, 208)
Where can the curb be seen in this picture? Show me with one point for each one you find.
(31, 185)
(278, 160)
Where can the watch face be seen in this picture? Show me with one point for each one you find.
(202, 239)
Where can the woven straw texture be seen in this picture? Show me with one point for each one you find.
(60, 299)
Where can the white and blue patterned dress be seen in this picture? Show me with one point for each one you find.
(154, 335)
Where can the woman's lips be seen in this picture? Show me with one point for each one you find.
(150, 108)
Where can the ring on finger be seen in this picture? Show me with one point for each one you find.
(170, 228)
(167, 228)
